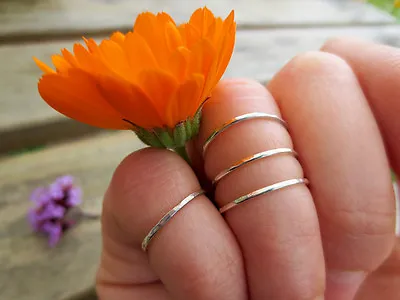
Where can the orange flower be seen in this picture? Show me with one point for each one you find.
(397, 3)
(156, 76)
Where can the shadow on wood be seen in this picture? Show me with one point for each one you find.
(89, 294)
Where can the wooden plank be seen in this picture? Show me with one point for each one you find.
(29, 269)
(33, 19)
(258, 54)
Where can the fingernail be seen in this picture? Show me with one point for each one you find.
(342, 285)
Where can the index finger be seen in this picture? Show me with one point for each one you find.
(378, 70)
(194, 256)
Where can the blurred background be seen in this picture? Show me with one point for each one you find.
(37, 144)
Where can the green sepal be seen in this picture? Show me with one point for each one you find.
(195, 123)
(165, 137)
(394, 177)
(181, 135)
(148, 137)
(188, 129)
(171, 138)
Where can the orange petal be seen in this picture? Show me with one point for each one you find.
(192, 35)
(204, 61)
(186, 100)
(138, 53)
(225, 45)
(227, 50)
(160, 87)
(173, 37)
(179, 62)
(88, 61)
(203, 55)
(69, 57)
(131, 101)
(118, 37)
(164, 18)
(45, 68)
(202, 19)
(153, 32)
(91, 44)
(113, 56)
(76, 96)
(60, 63)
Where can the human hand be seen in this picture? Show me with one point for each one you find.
(332, 238)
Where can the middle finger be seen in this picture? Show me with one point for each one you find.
(278, 233)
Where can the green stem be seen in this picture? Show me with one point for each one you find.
(183, 153)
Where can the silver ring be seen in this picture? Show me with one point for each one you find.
(262, 191)
(249, 116)
(252, 158)
(164, 220)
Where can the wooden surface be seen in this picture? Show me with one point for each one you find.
(29, 269)
(55, 17)
(270, 33)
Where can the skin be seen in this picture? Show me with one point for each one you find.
(333, 239)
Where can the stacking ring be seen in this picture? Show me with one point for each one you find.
(249, 116)
(252, 158)
(262, 191)
(167, 217)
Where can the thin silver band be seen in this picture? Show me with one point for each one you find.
(262, 191)
(249, 116)
(168, 217)
(252, 158)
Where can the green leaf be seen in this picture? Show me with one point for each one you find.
(386, 5)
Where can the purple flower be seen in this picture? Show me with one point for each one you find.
(54, 231)
(51, 205)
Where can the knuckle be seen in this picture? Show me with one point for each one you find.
(317, 64)
(146, 167)
(335, 43)
(365, 222)
(227, 92)
(151, 179)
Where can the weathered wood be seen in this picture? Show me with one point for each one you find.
(31, 19)
(259, 54)
(29, 269)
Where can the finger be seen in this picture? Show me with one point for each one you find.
(384, 283)
(278, 233)
(342, 153)
(194, 255)
(378, 70)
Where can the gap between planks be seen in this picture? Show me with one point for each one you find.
(54, 36)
